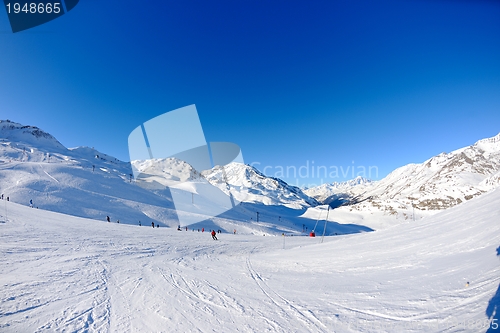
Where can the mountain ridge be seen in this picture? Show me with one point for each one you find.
(440, 182)
(87, 183)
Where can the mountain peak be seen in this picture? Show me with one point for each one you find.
(489, 144)
(246, 183)
(359, 180)
(31, 136)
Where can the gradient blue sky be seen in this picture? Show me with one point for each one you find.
(380, 83)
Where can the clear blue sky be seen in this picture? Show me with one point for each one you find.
(380, 83)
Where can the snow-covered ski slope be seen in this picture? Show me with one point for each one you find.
(67, 274)
(74, 189)
(79, 181)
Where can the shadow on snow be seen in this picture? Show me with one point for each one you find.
(493, 309)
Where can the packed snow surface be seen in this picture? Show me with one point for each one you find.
(61, 273)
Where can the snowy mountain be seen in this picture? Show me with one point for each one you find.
(20, 136)
(422, 189)
(87, 183)
(337, 193)
(248, 184)
(31, 144)
(244, 182)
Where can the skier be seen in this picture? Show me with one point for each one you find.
(234, 232)
(213, 235)
(31, 203)
(139, 223)
(202, 229)
(153, 224)
(107, 219)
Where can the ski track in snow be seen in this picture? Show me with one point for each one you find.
(284, 304)
(41, 167)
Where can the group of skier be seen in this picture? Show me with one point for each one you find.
(212, 232)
